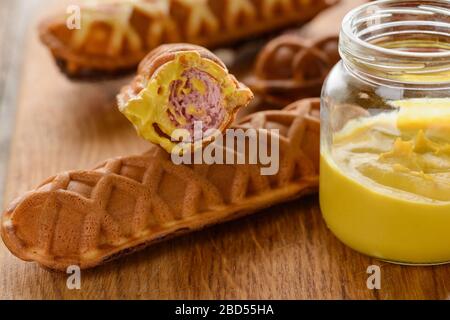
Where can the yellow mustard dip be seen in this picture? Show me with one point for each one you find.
(385, 183)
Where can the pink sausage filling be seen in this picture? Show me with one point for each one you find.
(208, 104)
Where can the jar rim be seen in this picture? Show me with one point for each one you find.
(348, 31)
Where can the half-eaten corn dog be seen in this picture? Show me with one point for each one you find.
(182, 87)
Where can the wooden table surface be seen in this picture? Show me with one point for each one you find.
(285, 252)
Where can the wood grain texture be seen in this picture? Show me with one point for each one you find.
(285, 252)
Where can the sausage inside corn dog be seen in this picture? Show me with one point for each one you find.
(88, 218)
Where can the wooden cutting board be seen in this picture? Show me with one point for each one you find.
(285, 252)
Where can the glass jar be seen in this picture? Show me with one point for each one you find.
(385, 133)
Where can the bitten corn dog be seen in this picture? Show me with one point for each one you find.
(88, 218)
(115, 35)
(181, 86)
